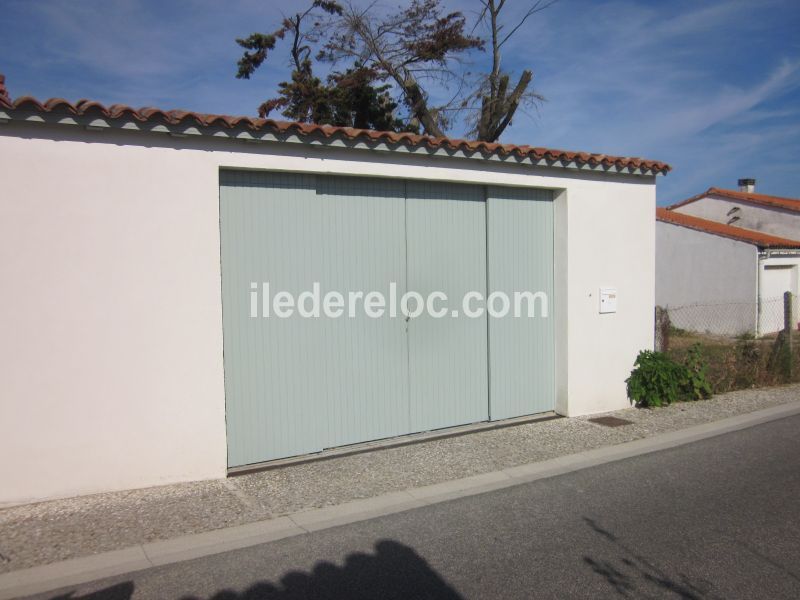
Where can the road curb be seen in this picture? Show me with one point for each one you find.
(89, 568)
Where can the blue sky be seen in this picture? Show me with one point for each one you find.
(712, 87)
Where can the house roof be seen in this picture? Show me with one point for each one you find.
(757, 238)
(791, 204)
(205, 120)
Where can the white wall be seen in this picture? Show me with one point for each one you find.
(717, 274)
(111, 368)
(775, 221)
(111, 350)
(610, 243)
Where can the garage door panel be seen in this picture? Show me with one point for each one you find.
(261, 215)
(521, 350)
(298, 385)
(446, 233)
(776, 280)
(366, 366)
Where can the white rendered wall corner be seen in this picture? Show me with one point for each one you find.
(110, 353)
(610, 243)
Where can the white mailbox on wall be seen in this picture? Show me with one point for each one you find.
(608, 300)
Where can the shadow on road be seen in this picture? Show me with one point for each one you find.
(634, 576)
(121, 591)
(394, 572)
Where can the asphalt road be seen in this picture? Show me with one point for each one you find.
(718, 518)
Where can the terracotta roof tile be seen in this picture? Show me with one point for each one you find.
(177, 117)
(757, 238)
(792, 204)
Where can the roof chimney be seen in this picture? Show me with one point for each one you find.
(747, 185)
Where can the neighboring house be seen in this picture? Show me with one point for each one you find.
(746, 209)
(721, 278)
(132, 241)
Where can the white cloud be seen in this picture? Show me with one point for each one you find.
(658, 81)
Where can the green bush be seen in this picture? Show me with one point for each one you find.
(657, 380)
(696, 385)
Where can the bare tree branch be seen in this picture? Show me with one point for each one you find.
(499, 105)
(407, 53)
(538, 6)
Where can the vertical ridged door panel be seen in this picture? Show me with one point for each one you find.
(520, 257)
(365, 359)
(298, 385)
(446, 231)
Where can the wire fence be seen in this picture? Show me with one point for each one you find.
(744, 344)
(729, 320)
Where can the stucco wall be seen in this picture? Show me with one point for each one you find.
(718, 274)
(610, 230)
(112, 348)
(775, 221)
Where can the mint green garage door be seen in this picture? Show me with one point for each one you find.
(298, 385)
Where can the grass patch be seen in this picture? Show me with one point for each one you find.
(740, 363)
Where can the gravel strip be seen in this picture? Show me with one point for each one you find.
(47, 532)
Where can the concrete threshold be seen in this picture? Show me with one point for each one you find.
(85, 569)
(394, 442)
